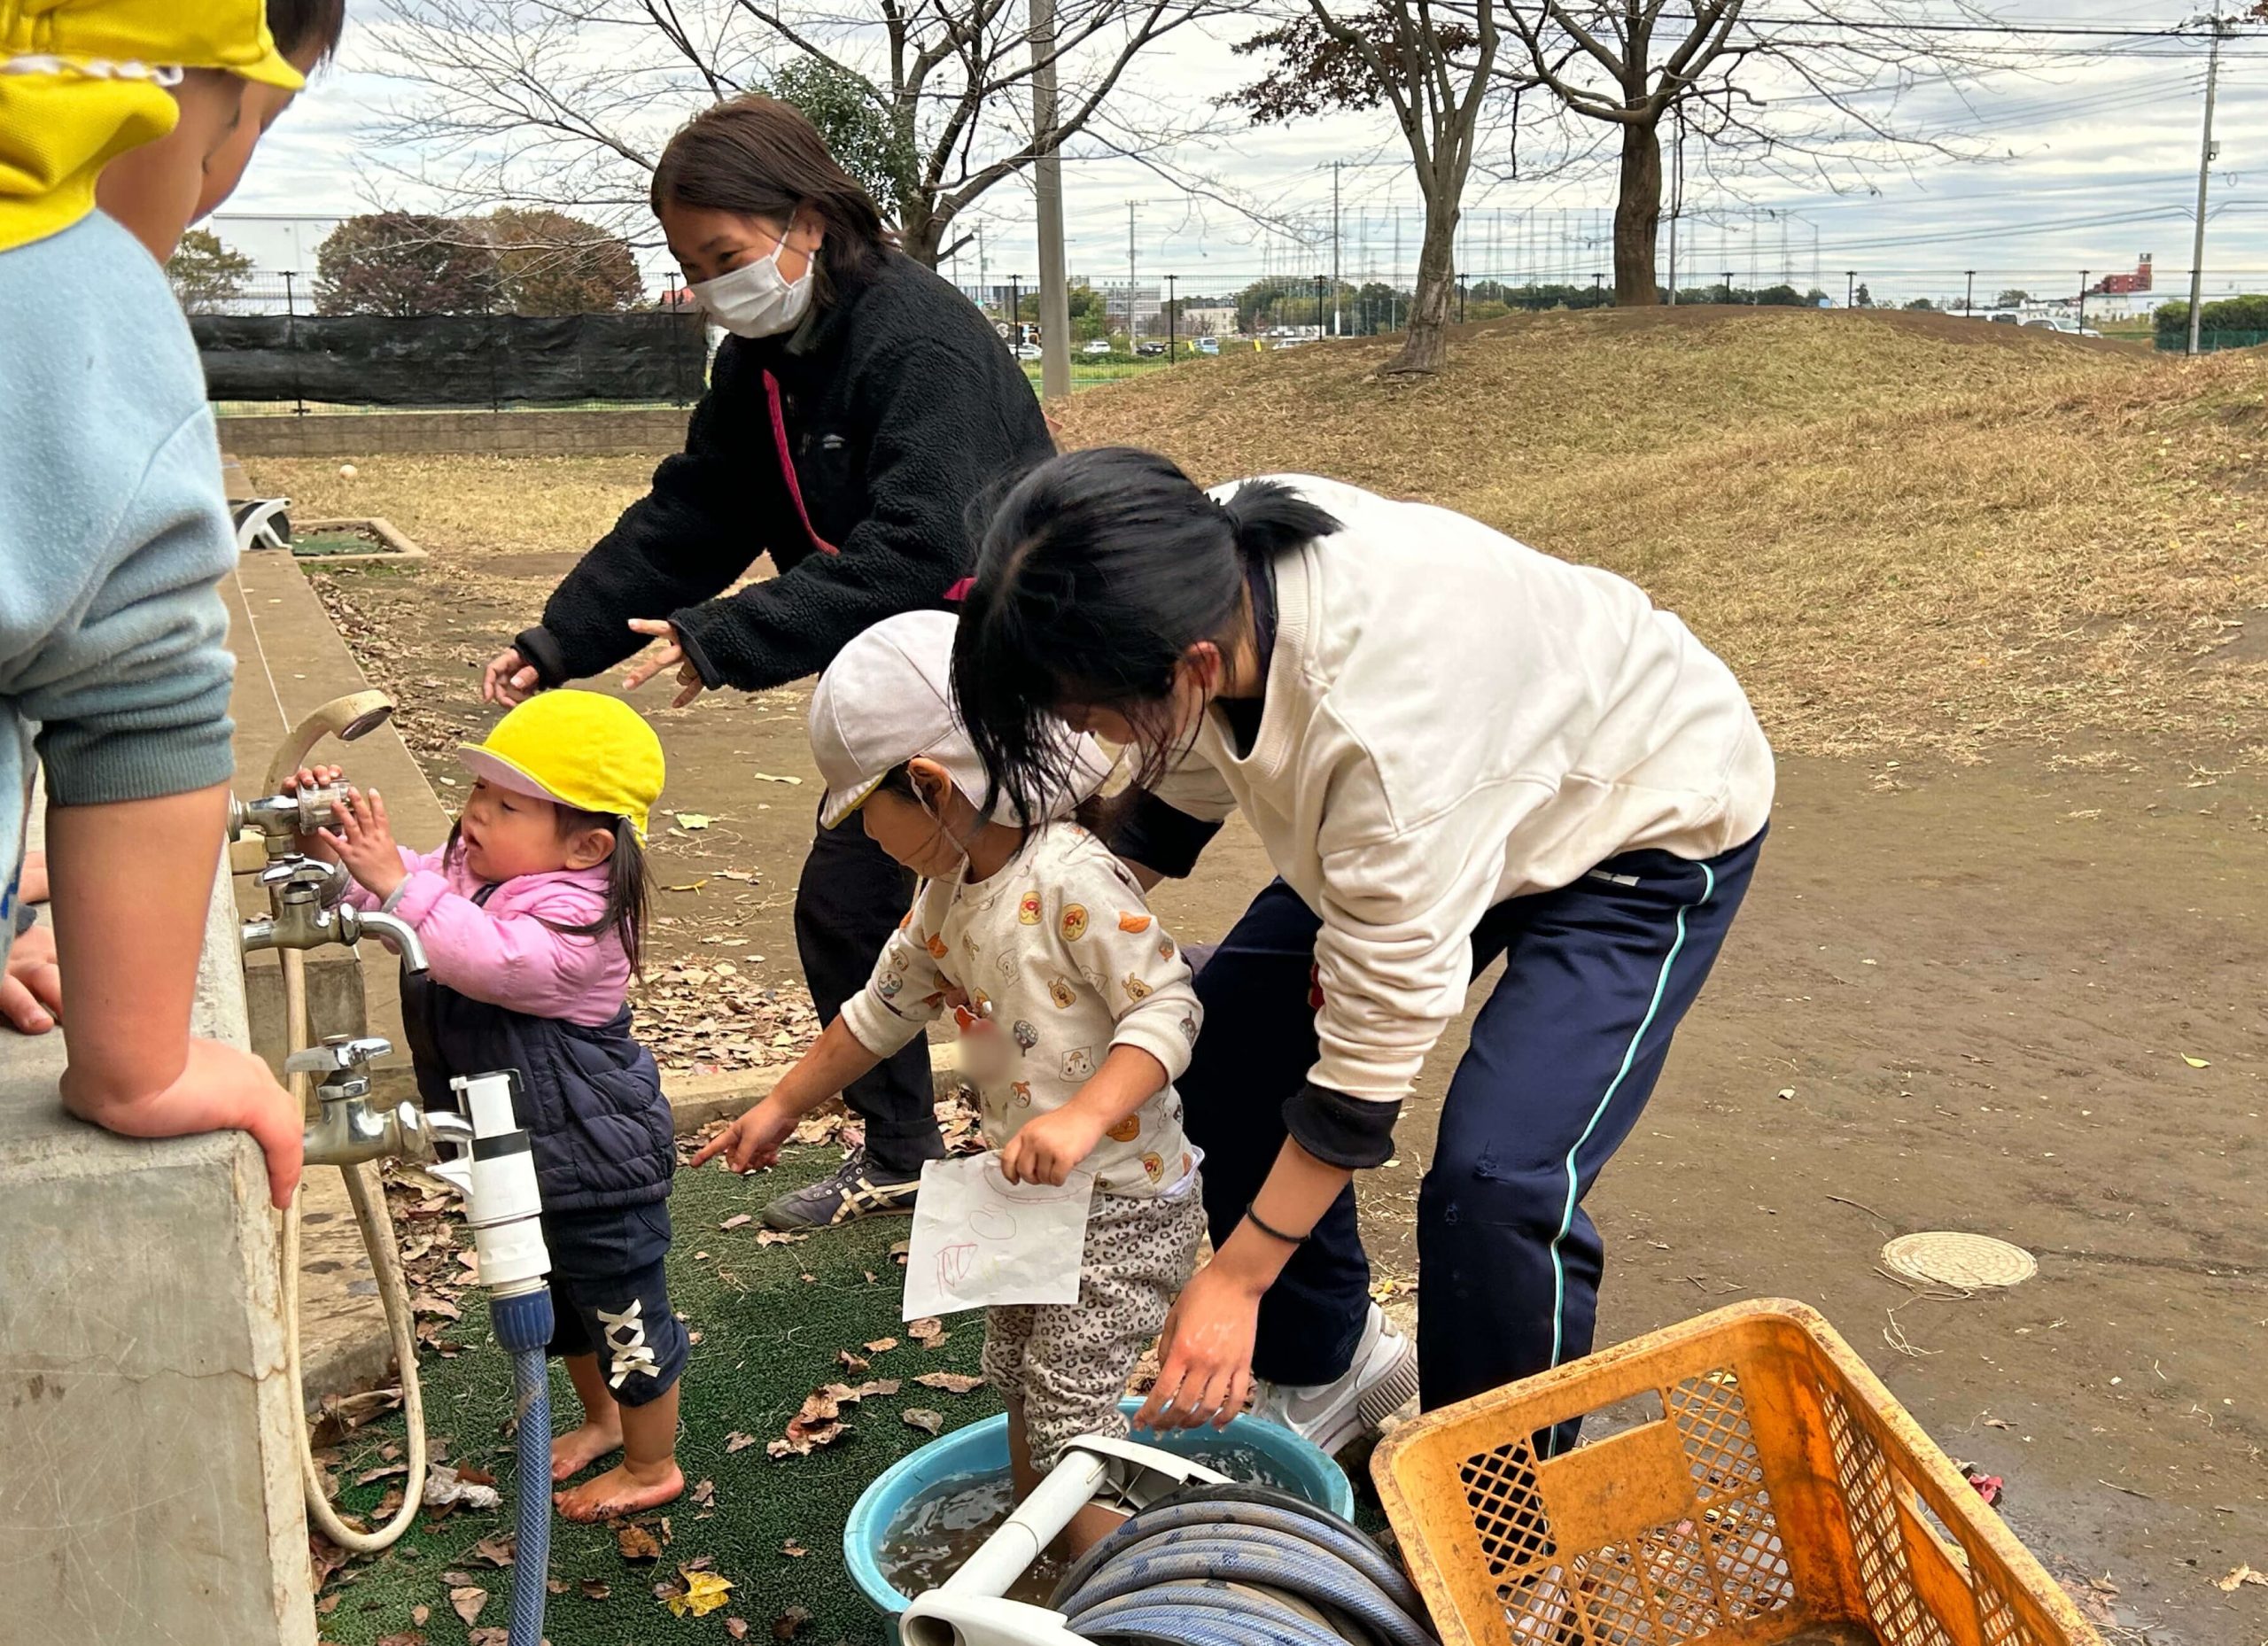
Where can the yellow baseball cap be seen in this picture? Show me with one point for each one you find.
(581, 749)
(82, 81)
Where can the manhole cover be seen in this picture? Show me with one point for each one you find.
(1967, 1261)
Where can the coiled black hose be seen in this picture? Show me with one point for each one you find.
(1240, 1565)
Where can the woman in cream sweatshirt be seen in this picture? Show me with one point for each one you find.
(1454, 750)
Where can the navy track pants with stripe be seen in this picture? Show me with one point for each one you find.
(1564, 1053)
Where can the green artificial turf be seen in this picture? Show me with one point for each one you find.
(772, 1323)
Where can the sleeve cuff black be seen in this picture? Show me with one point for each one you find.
(541, 649)
(1352, 1133)
(695, 653)
(1157, 837)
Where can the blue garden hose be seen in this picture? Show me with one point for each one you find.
(522, 1325)
(1238, 1565)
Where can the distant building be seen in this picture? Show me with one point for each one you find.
(2123, 285)
(1147, 304)
(1210, 320)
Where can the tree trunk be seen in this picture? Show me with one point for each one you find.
(1426, 346)
(919, 233)
(1638, 216)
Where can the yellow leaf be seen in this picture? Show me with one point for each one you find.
(2195, 1062)
(692, 819)
(704, 1592)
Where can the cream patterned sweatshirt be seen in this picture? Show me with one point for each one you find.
(1046, 967)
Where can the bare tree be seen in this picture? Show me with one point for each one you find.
(566, 102)
(1434, 65)
(1800, 88)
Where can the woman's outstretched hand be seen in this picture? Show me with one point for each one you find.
(1205, 1354)
(510, 678)
(669, 654)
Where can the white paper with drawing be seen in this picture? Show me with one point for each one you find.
(981, 1240)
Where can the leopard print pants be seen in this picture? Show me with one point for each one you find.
(1067, 1363)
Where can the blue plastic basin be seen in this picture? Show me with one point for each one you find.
(982, 1448)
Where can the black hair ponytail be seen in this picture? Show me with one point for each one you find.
(1094, 576)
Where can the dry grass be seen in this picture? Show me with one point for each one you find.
(466, 507)
(1907, 534)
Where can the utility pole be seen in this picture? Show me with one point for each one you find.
(1015, 311)
(1047, 188)
(1460, 299)
(983, 286)
(1335, 166)
(2083, 297)
(1969, 302)
(2206, 150)
(1318, 307)
(1173, 319)
(1849, 288)
(1129, 276)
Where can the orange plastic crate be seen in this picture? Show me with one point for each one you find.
(1775, 1491)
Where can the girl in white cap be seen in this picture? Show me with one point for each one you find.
(1076, 1014)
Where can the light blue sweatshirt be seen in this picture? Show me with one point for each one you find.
(113, 534)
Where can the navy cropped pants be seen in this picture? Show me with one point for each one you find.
(1564, 1053)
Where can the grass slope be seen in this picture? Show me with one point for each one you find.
(1906, 532)
(772, 1322)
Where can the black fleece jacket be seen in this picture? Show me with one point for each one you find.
(903, 409)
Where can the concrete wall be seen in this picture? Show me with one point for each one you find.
(149, 1447)
(511, 434)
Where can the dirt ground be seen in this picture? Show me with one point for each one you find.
(1982, 988)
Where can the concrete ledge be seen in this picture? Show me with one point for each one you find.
(511, 434)
(399, 550)
(697, 1099)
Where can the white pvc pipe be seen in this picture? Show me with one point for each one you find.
(1038, 1521)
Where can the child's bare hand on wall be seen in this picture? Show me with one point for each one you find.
(363, 841)
(1049, 1147)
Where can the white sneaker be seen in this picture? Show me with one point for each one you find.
(1381, 1381)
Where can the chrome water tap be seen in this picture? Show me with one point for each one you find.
(349, 1129)
(305, 912)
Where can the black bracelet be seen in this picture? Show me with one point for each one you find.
(1255, 1219)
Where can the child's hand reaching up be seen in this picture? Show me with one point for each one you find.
(363, 841)
(313, 776)
(1049, 1147)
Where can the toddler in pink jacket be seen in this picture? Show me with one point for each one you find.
(530, 916)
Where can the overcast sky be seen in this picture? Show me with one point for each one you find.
(2095, 163)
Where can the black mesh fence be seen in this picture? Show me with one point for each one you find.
(263, 349)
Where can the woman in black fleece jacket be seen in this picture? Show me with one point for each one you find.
(859, 410)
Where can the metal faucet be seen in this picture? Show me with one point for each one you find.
(305, 912)
(349, 1129)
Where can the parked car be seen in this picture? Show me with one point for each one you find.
(2007, 320)
(1208, 345)
(1100, 345)
(1028, 351)
(1149, 351)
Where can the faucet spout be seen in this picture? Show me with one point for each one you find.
(396, 933)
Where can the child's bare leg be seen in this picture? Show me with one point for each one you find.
(601, 1433)
(647, 1477)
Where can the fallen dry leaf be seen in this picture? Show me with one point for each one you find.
(950, 1382)
(736, 1441)
(555, 1586)
(467, 1603)
(785, 1627)
(418, 1615)
(637, 1543)
(737, 1220)
(490, 1636)
(408, 1637)
(737, 1627)
(926, 1330)
(855, 1365)
(881, 1346)
(704, 1494)
(778, 1236)
(496, 1549)
(594, 1588)
(692, 819)
(2238, 1578)
(704, 1593)
(920, 1417)
(384, 1471)
(793, 1549)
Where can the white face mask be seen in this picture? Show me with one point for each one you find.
(754, 300)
